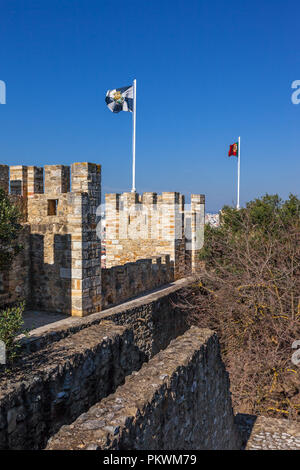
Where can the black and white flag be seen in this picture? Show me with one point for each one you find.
(120, 99)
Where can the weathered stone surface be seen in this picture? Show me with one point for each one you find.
(147, 240)
(179, 400)
(142, 226)
(55, 385)
(262, 433)
(62, 250)
(154, 319)
(121, 283)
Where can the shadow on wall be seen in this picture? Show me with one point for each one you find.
(245, 425)
(120, 283)
(64, 380)
(51, 283)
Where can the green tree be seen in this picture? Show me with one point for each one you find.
(10, 227)
(11, 321)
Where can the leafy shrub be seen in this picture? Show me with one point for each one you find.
(10, 227)
(11, 321)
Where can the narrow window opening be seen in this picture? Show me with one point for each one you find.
(52, 206)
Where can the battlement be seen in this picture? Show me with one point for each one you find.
(151, 239)
(27, 181)
(23, 180)
(148, 199)
(151, 224)
(86, 177)
(146, 216)
(57, 179)
(59, 206)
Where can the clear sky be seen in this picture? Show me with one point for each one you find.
(207, 71)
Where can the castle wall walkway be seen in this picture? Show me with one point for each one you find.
(152, 316)
(179, 400)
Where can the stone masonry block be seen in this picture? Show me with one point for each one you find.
(57, 179)
(4, 177)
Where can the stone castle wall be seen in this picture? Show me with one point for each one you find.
(150, 240)
(62, 251)
(179, 400)
(142, 226)
(55, 385)
(153, 318)
(121, 283)
(77, 362)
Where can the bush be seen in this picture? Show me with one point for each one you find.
(11, 321)
(249, 293)
(10, 227)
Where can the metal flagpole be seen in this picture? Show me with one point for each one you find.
(239, 166)
(133, 136)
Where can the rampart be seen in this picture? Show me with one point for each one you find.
(179, 400)
(75, 363)
(120, 283)
(62, 253)
(142, 226)
(151, 240)
(69, 383)
(70, 386)
(154, 319)
(55, 385)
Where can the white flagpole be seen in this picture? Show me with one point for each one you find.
(133, 136)
(239, 166)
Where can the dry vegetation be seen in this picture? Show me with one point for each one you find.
(249, 293)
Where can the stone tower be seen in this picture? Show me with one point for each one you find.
(142, 226)
(63, 272)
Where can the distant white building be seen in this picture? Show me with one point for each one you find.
(212, 219)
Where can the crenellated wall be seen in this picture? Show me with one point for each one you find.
(68, 366)
(65, 273)
(142, 226)
(151, 239)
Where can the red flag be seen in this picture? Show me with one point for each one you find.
(233, 150)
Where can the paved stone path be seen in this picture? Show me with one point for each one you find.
(35, 319)
(261, 433)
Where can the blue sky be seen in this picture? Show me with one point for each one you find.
(207, 71)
